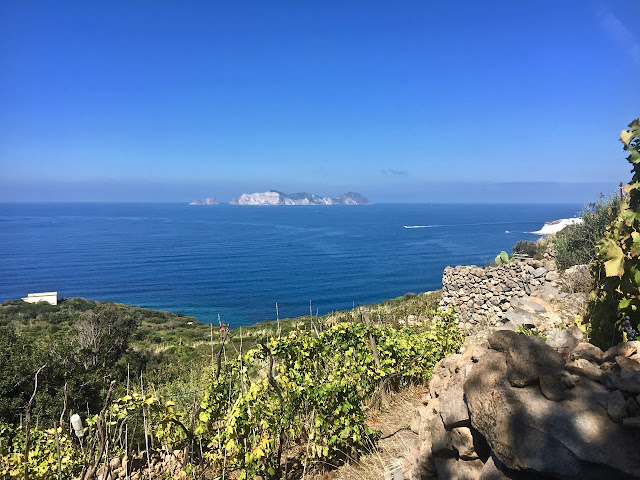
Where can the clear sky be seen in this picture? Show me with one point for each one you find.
(398, 100)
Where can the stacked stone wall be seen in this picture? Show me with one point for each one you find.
(483, 296)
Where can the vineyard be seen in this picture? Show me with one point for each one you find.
(285, 406)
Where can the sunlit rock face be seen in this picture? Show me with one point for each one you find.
(273, 197)
(207, 201)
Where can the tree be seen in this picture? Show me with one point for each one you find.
(104, 336)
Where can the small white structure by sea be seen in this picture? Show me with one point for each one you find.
(49, 297)
(556, 225)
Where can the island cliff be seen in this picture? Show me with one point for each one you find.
(274, 197)
(207, 201)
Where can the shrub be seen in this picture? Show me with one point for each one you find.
(576, 280)
(524, 247)
(616, 271)
(576, 244)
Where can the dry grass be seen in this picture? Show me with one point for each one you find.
(396, 439)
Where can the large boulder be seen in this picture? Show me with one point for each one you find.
(564, 341)
(574, 438)
(527, 356)
(587, 351)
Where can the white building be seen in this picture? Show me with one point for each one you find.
(49, 297)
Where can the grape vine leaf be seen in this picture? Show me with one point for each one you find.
(614, 266)
(626, 136)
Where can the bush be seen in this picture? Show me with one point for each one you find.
(576, 279)
(524, 247)
(576, 244)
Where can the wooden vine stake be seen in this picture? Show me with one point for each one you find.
(376, 358)
(27, 418)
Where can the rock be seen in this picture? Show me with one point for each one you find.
(552, 277)
(452, 469)
(607, 366)
(422, 419)
(462, 441)
(452, 407)
(552, 387)
(394, 471)
(539, 272)
(564, 341)
(532, 307)
(631, 422)
(629, 381)
(522, 317)
(549, 294)
(416, 420)
(623, 349)
(440, 438)
(115, 463)
(587, 352)
(584, 368)
(632, 407)
(507, 325)
(491, 472)
(627, 363)
(567, 379)
(527, 356)
(559, 439)
(617, 406)
(419, 463)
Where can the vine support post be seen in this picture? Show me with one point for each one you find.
(146, 435)
(126, 431)
(27, 418)
(376, 358)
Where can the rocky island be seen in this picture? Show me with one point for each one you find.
(273, 197)
(207, 201)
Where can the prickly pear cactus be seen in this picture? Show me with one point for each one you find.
(502, 259)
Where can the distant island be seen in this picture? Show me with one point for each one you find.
(274, 197)
(207, 201)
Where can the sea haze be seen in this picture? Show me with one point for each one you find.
(238, 261)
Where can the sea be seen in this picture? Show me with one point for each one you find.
(237, 262)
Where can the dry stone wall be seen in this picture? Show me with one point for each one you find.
(485, 296)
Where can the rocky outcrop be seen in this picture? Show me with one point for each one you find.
(520, 407)
(273, 197)
(207, 201)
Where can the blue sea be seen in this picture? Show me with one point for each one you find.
(237, 262)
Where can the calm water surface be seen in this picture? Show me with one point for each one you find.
(237, 262)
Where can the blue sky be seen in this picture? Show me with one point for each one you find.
(401, 101)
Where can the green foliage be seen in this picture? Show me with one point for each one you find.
(576, 244)
(314, 391)
(525, 247)
(616, 270)
(524, 330)
(84, 344)
(300, 389)
(503, 259)
(43, 458)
